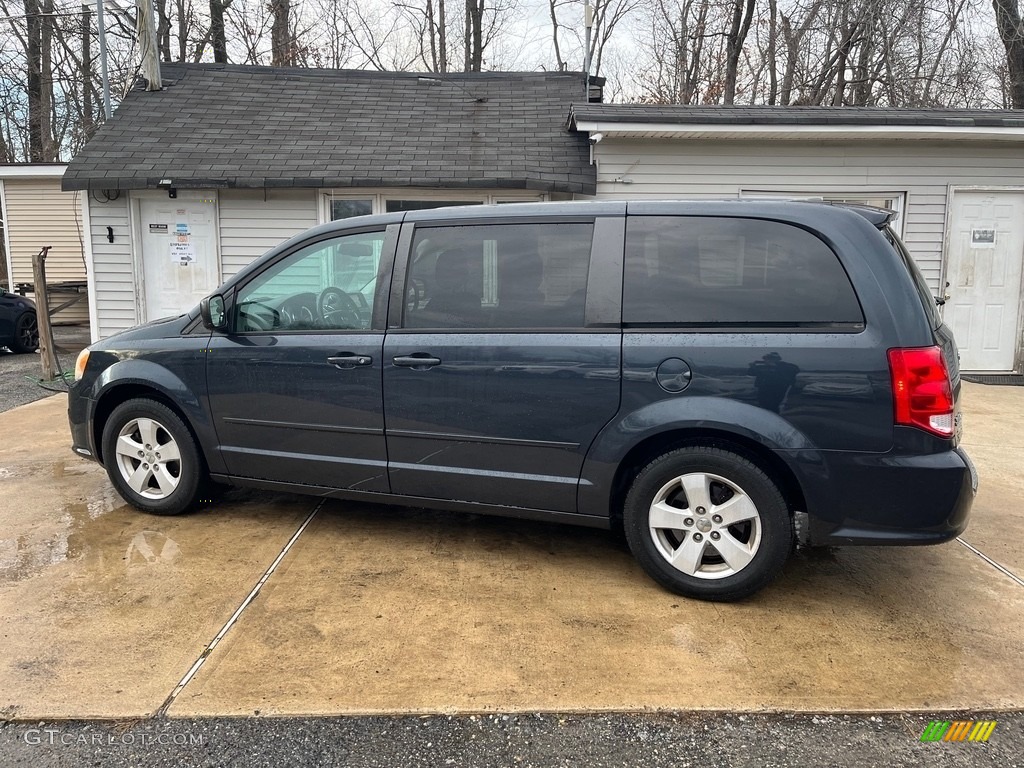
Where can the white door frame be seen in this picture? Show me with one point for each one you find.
(135, 226)
(1018, 355)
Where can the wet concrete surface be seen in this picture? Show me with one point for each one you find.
(103, 609)
(376, 609)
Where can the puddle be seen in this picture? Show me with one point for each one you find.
(69, 537)
(150, 547)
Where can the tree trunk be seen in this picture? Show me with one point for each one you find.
(282, 50)
(474, 35)
(163, 30)
(773, 52)
(182, 30)
(742, 13)
(1011, 30)
(442, 37)
(46, 110)
(86, 74)
(33, 64)
(217, 38)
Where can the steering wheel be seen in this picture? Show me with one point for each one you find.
(335, 302)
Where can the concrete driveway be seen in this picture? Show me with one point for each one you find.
(106, 612)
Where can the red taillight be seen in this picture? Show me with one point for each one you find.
(921, 389)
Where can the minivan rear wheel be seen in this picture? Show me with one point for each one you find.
(707, 523)
(151, 457)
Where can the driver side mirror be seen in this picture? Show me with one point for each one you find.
(211, 309)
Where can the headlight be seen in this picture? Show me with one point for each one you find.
(80, 363)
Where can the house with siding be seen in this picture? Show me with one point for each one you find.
(183, 187)
(954, 177)
(34, 212)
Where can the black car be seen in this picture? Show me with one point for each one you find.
(717, 379)
(19, 331)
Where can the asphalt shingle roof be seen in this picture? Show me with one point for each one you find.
(218, 125)
(761, 115)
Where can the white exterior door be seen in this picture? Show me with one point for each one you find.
(986, 251)
(179, 251)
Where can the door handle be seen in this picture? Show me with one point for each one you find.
(419, 361)
(349, 361)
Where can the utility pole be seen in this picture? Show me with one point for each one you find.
(103, 59)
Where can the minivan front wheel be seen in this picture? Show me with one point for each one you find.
(707, 523)
(151, 457)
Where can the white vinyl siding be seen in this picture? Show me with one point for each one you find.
(251, 222)
(114, 272)
(658, 169)
(39, 214)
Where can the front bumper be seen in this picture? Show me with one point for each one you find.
(80, 411)
(858, 498)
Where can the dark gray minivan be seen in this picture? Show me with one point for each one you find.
(718, 379)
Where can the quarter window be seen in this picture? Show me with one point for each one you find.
(328, 285)
(701, 271)
(499, 276)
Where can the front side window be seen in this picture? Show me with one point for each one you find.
(706, 271)
(328, 285)
(499, 276)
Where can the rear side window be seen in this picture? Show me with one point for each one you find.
(498, 276)
(923, 291)
(701, 271)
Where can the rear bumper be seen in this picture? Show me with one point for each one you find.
(875, 499)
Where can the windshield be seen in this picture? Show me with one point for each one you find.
(923, 291)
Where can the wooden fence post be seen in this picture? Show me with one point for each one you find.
(47, 355)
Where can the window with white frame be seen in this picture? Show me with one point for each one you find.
(893, 201)
(344, 205)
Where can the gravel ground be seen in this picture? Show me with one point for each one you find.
(513, 741)
(20, 374)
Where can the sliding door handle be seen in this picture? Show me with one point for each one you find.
(419, 361)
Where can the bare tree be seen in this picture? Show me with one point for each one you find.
(218, 36)
(1011, 31)
(742, 14)
(281, 43)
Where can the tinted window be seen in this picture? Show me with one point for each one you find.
(499, 276)
(328, 285)
(923, 291)
(743, 272)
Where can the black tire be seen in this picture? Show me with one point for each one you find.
(767, 538)
(26, 332)
(187, 473)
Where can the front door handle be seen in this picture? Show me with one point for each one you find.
(346, 360)
(418, 361)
